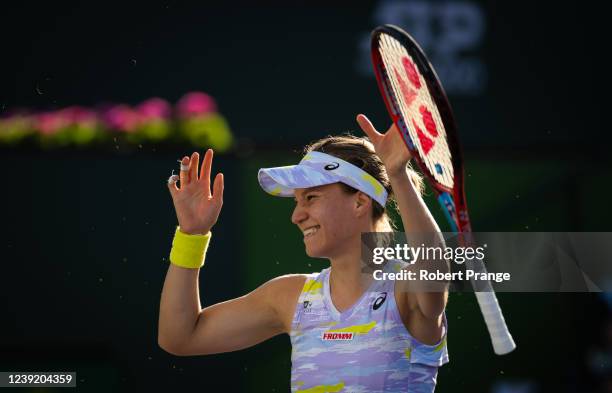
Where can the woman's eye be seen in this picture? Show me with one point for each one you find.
(310, 197)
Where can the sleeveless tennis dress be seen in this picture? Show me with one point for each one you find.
(363, 349)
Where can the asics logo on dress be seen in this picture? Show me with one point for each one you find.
(379, 301)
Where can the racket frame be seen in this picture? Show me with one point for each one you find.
(452, 200)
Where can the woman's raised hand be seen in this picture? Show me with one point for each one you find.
(389, 146)
(196, 208)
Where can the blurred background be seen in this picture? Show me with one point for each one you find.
(98, 101)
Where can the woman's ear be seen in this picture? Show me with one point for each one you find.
(363, 204)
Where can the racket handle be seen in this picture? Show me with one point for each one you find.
(500, 335)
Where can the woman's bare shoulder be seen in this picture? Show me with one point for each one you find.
(283, 295)
(288, 283)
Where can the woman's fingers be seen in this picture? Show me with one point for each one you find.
(368, 128)
(206, 168)
(189, 173)
(172, 184)
(205, 172)
(193, 166)
(218, 186)
(189, 169)
(184, 174)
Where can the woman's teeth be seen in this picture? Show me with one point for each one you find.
(311, 231)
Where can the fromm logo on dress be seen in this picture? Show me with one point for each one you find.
(345, 336)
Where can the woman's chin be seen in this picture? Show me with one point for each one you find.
(314, 252)
(311, 253)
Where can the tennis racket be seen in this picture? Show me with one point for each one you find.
(421, 112)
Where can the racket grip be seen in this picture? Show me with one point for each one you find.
(500, 335)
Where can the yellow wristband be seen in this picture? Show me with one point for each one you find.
(188, 251)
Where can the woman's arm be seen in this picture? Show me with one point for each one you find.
(186, 329)
(416, 217)
(179, 308)
(420, 225)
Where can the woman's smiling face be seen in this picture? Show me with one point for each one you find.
(329, 219)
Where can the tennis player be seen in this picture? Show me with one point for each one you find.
(349, 333)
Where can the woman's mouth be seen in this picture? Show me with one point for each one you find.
(310, 231)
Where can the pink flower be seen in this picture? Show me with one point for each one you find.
(195, 103)
(79, 115)
(50, 122)
(122, 118)
(154, 108)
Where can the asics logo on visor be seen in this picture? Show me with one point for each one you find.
(332, 166)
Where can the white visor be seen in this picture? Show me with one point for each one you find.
(318, 169)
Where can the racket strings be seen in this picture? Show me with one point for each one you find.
(413, 100)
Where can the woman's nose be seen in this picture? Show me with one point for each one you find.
(299, 215)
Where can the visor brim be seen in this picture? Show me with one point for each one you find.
(282, 181)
